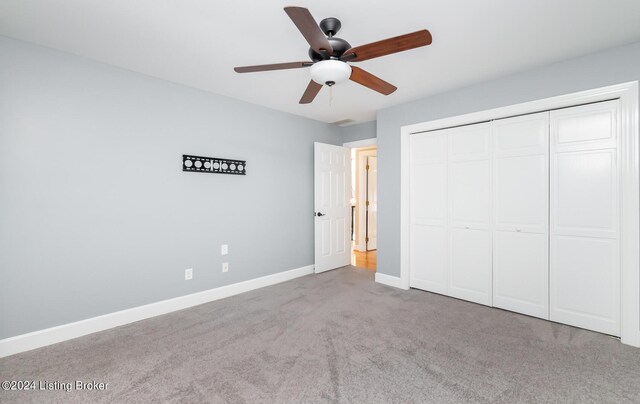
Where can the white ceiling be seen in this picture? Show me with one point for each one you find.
(198, 42)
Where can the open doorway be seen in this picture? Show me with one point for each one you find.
(364, 203)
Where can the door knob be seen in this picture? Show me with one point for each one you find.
(320, 214)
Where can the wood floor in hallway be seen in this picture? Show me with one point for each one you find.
(365, 260)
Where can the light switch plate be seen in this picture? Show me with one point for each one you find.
(188, 274)
(224, 249)
(225, 267)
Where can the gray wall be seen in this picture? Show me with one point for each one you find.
(361, 131)
(95, 213)
(614, 66)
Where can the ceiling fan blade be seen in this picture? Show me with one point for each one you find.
(369, 80)
(309, 28)
(277, 66)
(388, 46)
(310, 93)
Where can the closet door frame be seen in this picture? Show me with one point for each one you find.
(627, 94)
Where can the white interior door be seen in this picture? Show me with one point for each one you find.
(428, 249)
(372, 203)
(585, 224)
(469, 206)
(521, 200)
(332, 184)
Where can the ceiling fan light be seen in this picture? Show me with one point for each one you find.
(330, 71)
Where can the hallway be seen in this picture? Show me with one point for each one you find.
(364, 260)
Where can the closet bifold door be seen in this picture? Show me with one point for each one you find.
(520, 212)
(428, 248)
(469, 206)
(585, 217)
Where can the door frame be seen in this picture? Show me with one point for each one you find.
(361, 143)
(366, 199)
(361, 216)
(361, 196)
(628, 95)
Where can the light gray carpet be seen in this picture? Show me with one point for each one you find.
(336, 337)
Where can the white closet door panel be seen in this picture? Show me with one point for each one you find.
(520, 273)
(470, 195)
(521, 136)
(470, 142)
(469, 186)
(584, 271)
(585, 283)
(428, 248)
(520, 189)
(470, 265)
(586, 127)
(429, 194)
(429, 147)
(429, 258)
(585, 193)
(520, 212)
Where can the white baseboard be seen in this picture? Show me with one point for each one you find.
(53, 335)
(390, 280)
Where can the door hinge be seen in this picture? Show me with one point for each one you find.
(366, 240)
(367, 203)
(367, 166)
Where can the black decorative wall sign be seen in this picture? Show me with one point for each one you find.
(213, 165)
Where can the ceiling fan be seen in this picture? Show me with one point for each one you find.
(330, 54)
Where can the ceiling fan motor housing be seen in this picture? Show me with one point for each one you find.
(339, 46)
(330, 26)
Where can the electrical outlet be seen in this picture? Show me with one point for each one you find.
(224, 249)
(225, 267)
(188, 274)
